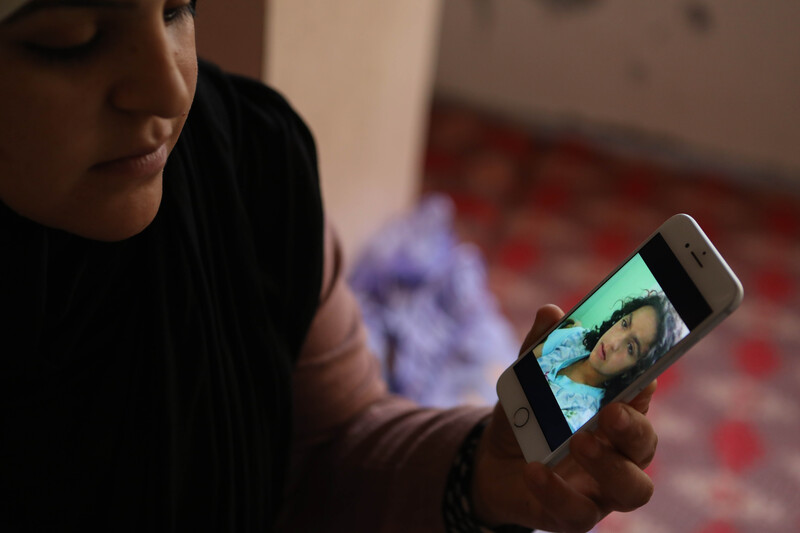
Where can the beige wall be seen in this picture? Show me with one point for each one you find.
(360, 72)
(721, 76)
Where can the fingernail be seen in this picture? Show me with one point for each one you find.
(623, 420)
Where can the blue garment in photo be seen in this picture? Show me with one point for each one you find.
(578, 402)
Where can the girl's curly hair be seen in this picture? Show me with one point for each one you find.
(668, 332)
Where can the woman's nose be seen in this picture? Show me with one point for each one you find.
(614, 343)
(156, 78)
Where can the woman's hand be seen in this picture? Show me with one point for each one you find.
(602, 473)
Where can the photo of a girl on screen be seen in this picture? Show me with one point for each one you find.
(586, 367)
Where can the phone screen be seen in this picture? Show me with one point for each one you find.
(624, 327)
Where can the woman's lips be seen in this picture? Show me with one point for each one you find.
(602, 352)
(141, 166)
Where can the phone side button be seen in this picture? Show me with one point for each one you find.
(521, 417)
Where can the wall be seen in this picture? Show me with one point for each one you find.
(231, 34)
(721, 76)
(360, 72)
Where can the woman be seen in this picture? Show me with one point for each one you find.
(181, 352)
(586, 368)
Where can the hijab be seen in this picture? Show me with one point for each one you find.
(146, 383)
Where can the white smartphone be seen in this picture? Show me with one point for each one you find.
(671, 291)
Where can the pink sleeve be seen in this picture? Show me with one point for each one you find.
(363, 460)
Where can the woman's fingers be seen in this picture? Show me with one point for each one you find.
(564, 508)
(615, 457)
(546, 317)
(642, 401)
(629, 432)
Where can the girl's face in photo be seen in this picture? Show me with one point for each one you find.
(625, 342)
(93, 97)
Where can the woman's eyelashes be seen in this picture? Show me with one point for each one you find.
(176, 14)
(71, 52)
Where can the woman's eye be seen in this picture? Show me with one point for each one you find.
(177, 13)
(625, 323)
(68, 39)
(64, 53)
(630, 349)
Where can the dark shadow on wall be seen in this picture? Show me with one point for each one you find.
(231, 34)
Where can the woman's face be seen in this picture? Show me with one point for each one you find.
(93, 97)
(625, 342)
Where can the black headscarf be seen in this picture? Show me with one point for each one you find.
(145, 384)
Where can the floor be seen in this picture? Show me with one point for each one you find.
(553, 212)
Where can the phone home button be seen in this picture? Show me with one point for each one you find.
(521, 417)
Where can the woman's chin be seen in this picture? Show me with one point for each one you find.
(113, 222)
(117, 232)
(99, 212)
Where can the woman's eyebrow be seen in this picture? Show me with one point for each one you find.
(41, 5)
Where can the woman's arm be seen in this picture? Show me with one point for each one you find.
(363, 460)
